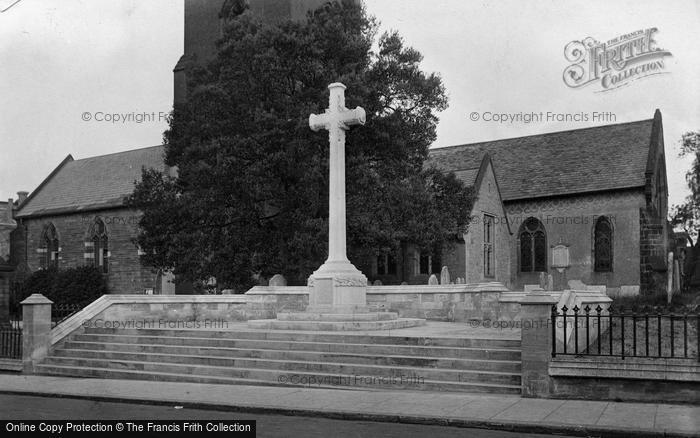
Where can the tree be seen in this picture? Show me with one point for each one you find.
(251, 193)
(687, 215)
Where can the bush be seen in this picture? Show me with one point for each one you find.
(80, 285)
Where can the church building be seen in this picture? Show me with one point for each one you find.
(586, 206)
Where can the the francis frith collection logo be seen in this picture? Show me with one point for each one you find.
(614, 63)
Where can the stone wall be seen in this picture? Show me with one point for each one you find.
(570, 220)
(652, 252)
(457, 303)
(125, 274)
(631, 379)
(488, 202)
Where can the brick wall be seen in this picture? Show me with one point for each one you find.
(125, 273)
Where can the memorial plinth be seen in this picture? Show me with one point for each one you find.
(337, 289)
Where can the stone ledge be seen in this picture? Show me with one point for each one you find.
(274, 324)
(340, 317)
(105, 301)
(278, 290)
(684, 370)
(10, 364)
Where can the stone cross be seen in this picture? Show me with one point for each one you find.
(337, 119)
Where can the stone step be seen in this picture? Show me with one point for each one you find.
(317, 337)
(154, 371)
(310, 316)
(276, 324)
(223, 366)
(290, 355)
(512, 354)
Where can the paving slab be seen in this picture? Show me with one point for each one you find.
(674, 417)
(578, 412)
(486, 408)
(639, 415)
(529, 409)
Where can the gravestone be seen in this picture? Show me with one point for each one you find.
(676, 277)
(445, 275)
(278, 280)
(629, 291)
(377, 283)
(550, 282)
(433, 280)
(576, 285)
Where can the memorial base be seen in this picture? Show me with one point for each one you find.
(337, 302)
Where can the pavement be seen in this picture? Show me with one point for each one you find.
(488, 411)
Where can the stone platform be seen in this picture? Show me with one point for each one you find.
(317, 324)
(333, 321)
(318, 316)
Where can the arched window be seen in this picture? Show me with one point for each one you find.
(533, 246)
(603, 245)
(50, 247)
(97, 245)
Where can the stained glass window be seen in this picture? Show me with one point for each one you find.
(50, 247)
(488, 246)
(533, 246)
(100, 245)
(603, 253)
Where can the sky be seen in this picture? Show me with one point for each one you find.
(66, 66)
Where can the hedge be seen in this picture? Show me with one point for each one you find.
(81, 285)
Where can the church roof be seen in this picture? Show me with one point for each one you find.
(91, 183)
(609, 157)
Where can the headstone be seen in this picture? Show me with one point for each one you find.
(404, 283)
(433, 280)
(576, 285)
(445, 275)
(531, 287)
(676, 277)
(377, 283)
(629, 291)
(278, 280)
(550, 282)
(543, 281)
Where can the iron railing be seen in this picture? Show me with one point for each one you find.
(61, 312)
(10, 341)
(626, 332)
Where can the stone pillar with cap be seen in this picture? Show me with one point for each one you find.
(36, 330)
(536, 343)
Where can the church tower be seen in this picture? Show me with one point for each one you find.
(204, 26)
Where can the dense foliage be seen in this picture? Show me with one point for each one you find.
(80, 285)
(251, 194)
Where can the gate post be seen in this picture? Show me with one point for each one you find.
(36, 330)
(536, 343)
